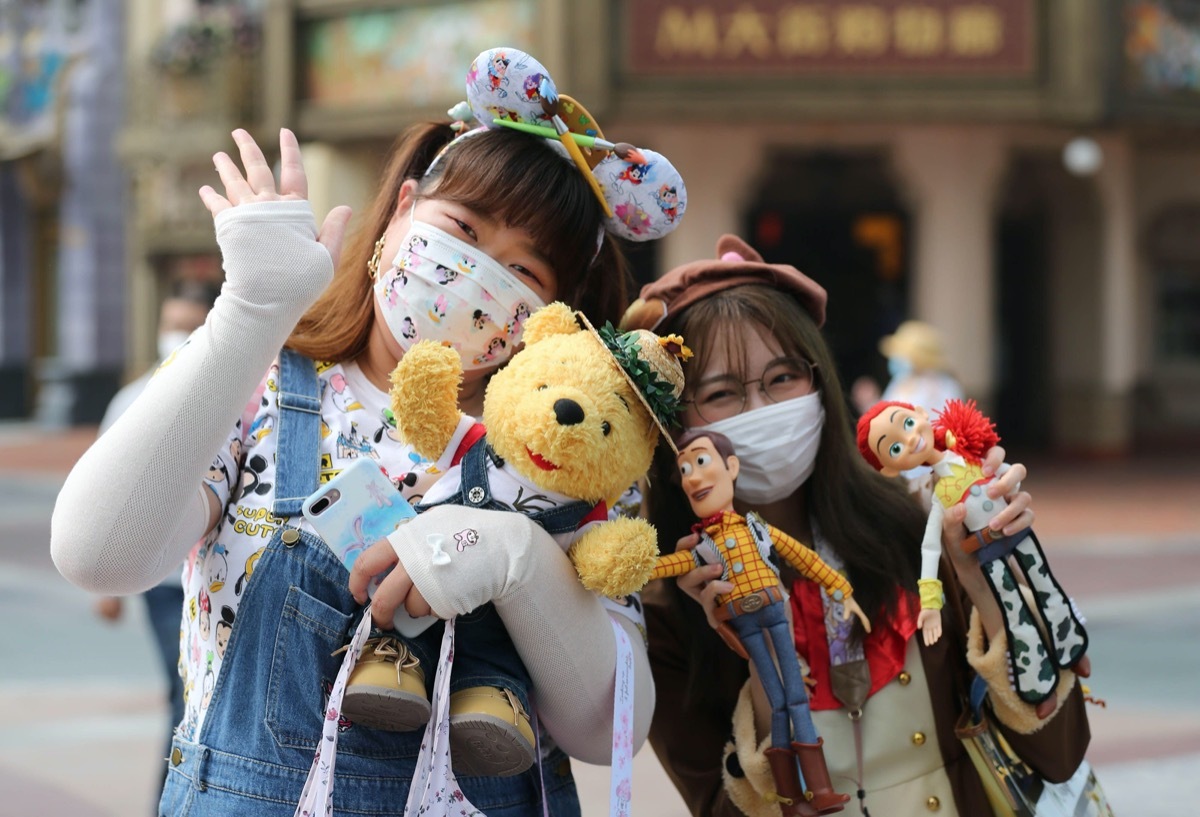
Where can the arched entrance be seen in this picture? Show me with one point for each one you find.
(838, 218)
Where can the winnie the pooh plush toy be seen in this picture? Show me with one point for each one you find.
(568, 425)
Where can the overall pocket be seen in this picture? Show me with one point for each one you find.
(303, 668)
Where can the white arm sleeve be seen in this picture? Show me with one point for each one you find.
(931, 544)
(560, 629)
(117, 525)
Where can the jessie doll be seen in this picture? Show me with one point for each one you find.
(894, 437)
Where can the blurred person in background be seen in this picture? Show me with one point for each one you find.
(920, 373)
(183, 311)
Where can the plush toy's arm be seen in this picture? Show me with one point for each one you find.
(617, 557)
(424, 395)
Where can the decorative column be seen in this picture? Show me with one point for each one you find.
(1118, 340)
(950, 178)
(719, 181)
(91, 255)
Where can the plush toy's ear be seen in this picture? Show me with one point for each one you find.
(552, 319)
(643, 315)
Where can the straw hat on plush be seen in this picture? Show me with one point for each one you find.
(917, 342)
(653, 367)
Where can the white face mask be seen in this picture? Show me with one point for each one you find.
(170, 341)
(776, 446)
(442, 289)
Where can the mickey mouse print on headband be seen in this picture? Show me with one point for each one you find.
(642, 193)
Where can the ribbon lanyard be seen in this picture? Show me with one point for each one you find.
(621, 791)
(317, 797)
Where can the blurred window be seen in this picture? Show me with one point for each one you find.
(1175, 259)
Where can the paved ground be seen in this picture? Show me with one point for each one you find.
(81, 722)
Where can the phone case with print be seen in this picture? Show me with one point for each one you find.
(355, 509)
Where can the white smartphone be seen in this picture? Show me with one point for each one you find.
(355, 509)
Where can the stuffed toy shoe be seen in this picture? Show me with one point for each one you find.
(386, 689)
(490, 735)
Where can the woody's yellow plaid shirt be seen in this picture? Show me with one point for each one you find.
(748, 571)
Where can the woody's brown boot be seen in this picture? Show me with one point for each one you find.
(816, 777)
(787, 783)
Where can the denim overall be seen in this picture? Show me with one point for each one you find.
(484, 655)
(259, 736)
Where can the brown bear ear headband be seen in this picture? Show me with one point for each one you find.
(642, 193)
(736, 264)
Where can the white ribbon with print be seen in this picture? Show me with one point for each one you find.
(621, 793)
(316, 800)
(434, 791)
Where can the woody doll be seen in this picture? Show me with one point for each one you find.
(754, 609)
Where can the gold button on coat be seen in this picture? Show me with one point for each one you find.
(905, 679)
(918, 738)
(933, 804)
(176, 756)
(290, 536)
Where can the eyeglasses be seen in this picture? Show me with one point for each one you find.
(721, 397)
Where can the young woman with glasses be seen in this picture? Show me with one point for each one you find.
(884, 703)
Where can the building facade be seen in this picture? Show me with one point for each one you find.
(1023, 173)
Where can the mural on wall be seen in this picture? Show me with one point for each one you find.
(1162, 47)
(33, 55)
(412, 56)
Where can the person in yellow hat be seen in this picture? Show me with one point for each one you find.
(917, 362)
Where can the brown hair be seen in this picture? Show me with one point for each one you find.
(505, 172)
(720, 442)
(871, 522)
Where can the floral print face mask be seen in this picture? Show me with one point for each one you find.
(445, 290)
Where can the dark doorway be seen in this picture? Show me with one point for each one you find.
(837, 218)
(1023, 408)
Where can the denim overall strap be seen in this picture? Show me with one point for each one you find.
(474, 491)
(299, 431)
(562, 519)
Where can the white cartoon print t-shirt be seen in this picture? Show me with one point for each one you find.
(355, 424)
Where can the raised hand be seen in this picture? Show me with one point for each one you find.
(258, 184)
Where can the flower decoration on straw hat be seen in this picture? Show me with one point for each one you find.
(642, 193)
(653, 365)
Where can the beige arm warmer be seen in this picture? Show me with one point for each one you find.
(560, 629)
(134, 504)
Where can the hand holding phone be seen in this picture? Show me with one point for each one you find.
(355, 509)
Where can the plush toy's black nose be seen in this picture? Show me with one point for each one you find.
(568, 412)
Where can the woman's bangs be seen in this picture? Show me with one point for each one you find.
(529, 185)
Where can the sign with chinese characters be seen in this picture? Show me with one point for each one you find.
(780, 38)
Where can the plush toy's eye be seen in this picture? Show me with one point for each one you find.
(910, 424)
(606, 428)
(542, 387)
(703, 460)
(685, 469)
(895, 449)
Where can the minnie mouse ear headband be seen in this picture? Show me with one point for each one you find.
(642, 193)
(736, 264)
